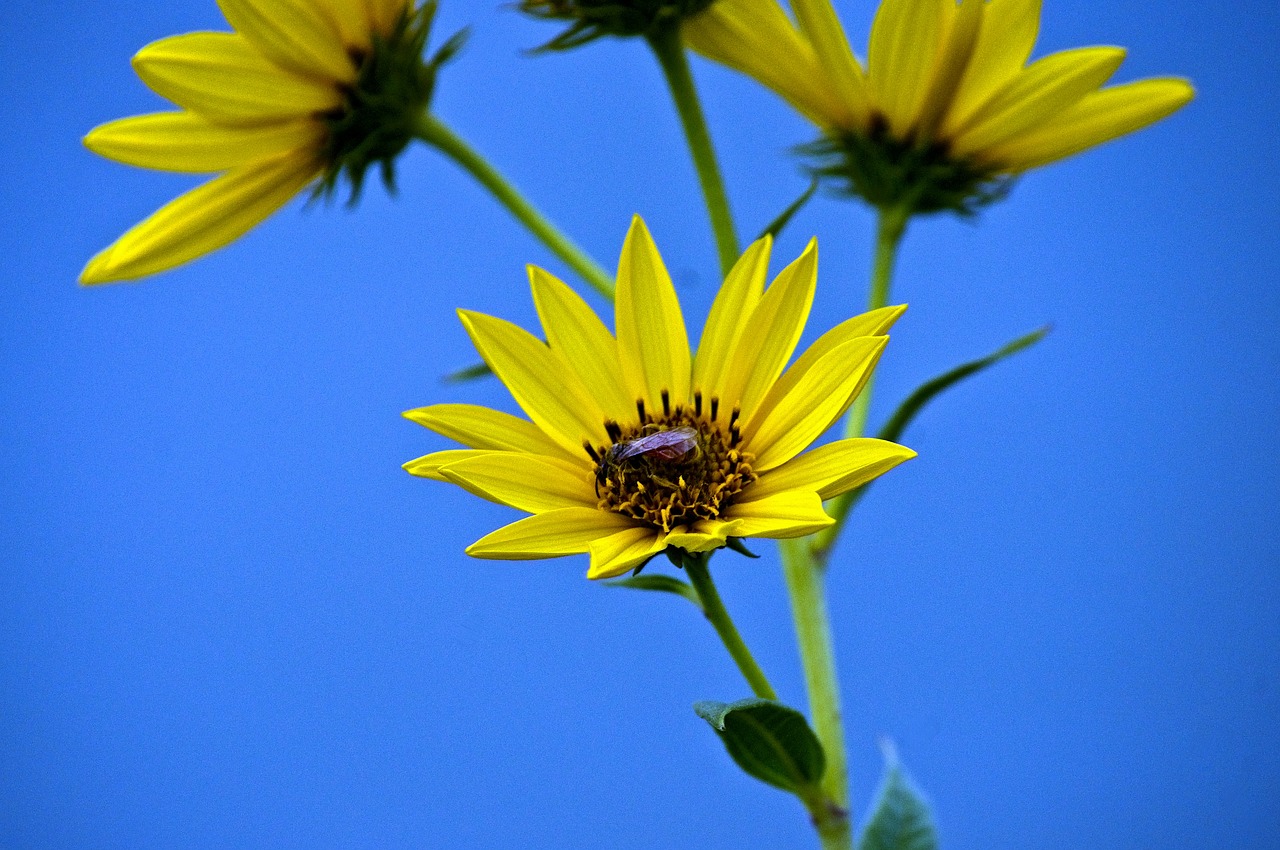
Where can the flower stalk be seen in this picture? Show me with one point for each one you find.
(695, 564)
(436, 133)
(668, 47)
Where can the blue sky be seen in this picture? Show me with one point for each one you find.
(231, 620)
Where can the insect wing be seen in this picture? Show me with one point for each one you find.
(664, 445)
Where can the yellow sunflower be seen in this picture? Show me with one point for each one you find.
(946, 95)
(635, 444)
(301, 92)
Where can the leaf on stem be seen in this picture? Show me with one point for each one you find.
(926, 392)
(665, 584)
(770, 741)
(900, 818)
(784, 218)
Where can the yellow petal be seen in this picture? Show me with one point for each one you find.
(576, 333)
(821, 25)
(831, 469)
(652, 339)
(568, 531)
(816, 401)
(541, 383)
(204, 219)
(772, 332)
(703, 536)
(1005, 39)
(794, 513)
(756, 38)
(484, 428)
(350, 20)
(1100, 117)
(181, 141)
(957, 49)
(736, 300)
(531, 483)
(622, 551)
(1046, 88)
(429, 466)
(222, 77)
(294, 34)
(904, 43)
(873, 323)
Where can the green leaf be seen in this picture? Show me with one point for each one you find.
(784, 218)
(665, 584)
(900, 818)
(770, 741)
(926, 392)
(468, 373)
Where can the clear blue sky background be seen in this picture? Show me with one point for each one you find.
(230, 620)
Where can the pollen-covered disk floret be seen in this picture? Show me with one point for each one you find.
(699, 485)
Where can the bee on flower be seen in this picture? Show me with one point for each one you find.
(946, 109)
(301, 93)
(636, 445)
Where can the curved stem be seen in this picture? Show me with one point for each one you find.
(669, 50)
(805, 584)
(892, 225)
(695, 564)
(435, 133)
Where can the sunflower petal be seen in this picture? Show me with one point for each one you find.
(485, 428)
(576, 333)
(541, 383)
(873, 323)
(182, 141)
(651, 334)
(816, 401)
(294, 34)
(794, 513)
(756, 38)
(429, 466)
(203, 220)
(953, 59)
(531, 483)
(703, 536)
(1005, 39)
(904, 43)
(1100, 117)
(1046, 88)
(771, 333)
(568, 531)
(383, 14)
(221, 76)
(831, 469)
(622, 551)
(821, 25)
(350, 21)
(737, 298)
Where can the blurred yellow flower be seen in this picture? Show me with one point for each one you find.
(946, 97)
(637, 445)
(303, 90)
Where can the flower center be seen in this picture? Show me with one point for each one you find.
(672, 468)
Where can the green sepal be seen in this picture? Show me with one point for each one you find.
(593, 19)
(380, 110)
(771, 742)
(900, 818)
(784, 218)
(891, 173)
(661, 583)
(474, 372)
(736, 544)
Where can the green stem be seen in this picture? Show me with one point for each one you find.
(805, 584)
(669, 50)
(435, 133)
(892, 225)
(695, 564)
